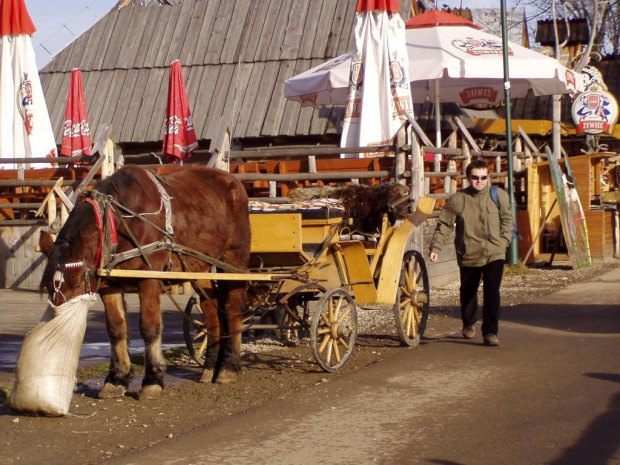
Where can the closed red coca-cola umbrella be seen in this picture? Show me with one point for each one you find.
(180, 137)
(76, 140)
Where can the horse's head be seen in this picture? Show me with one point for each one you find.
(70, 267)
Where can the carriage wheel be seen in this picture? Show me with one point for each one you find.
(290, 331)
(195, 331)
(412, 299)
(334, 330)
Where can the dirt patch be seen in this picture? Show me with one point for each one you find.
(96, 429)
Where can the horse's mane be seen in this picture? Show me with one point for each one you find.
(81, 216)
(121, 186)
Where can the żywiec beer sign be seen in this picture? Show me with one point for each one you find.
(595, 111)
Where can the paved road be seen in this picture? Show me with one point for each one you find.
(550, 394)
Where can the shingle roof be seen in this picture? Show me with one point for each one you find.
(236, 55)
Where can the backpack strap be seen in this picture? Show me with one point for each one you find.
(495, 196)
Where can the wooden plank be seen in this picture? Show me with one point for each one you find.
(94, 103)
(326, 19)
(275, 111)
(152, 93)
(268, 26)
(295, 30)
(120, 110)
(189, 276)
(279, 30)
(207, 87)
(180, 32)
(249, 99)
(290, 114)
(310, 30)
(204, 36)
(146, 36)
(347, 38)
(159, 34)
(112, 99)
(190, 42)
(168, 37)
(217, 106)
(252, 35)
(118, 38)
(138, 26)
(133, 104)
(219, 32)
(102, 38)
(231, 49)
(237, 95)
(337, 29)
(261, 105)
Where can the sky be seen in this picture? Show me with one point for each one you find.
(58, 22)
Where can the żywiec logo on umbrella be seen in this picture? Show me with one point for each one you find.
(480, 47)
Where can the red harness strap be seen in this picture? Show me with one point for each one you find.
(111, 223)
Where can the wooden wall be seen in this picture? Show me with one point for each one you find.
(20, 265)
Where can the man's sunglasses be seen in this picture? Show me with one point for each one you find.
(478, 178)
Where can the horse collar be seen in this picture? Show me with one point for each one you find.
(113, 237)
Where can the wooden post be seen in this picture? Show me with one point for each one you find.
(400, 156)
(449, 183)
(466, 162)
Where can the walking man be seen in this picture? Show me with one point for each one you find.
(483, 233)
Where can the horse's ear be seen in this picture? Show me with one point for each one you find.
(45, 243)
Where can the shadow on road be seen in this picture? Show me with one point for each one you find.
(596, 446)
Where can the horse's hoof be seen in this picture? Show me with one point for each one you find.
(206, 377)
(226, 377)
(111, 391)
(151, 392)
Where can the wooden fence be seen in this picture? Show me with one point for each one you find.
(35, 199)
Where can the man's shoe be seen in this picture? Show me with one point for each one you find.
(491, 340)
(469, 332)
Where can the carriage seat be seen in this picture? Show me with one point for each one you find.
(288, 234)
(318, 209)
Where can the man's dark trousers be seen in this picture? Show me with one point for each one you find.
(491, 275)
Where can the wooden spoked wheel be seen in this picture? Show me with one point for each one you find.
(195, 331)
(333, 331)
(412, 304)
(289, 330)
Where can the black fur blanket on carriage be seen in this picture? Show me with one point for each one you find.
(364, 205)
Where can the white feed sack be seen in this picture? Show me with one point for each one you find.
(48, 359)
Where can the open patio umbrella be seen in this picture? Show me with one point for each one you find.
(25, 126)
(76, 140)
(180, 137)
(378, 90)
(450, 60)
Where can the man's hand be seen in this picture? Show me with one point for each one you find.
(433, 256)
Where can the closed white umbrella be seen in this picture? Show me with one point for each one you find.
(25, 126)
(378, 85)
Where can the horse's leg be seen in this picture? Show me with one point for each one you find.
(210, 312)
(119, 375)
(151, 330)
(235, 298)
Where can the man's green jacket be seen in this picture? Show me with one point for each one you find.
(483, 232)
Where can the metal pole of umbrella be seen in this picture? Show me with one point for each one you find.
(512, 249)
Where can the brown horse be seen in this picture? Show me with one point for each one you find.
(205, 210)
